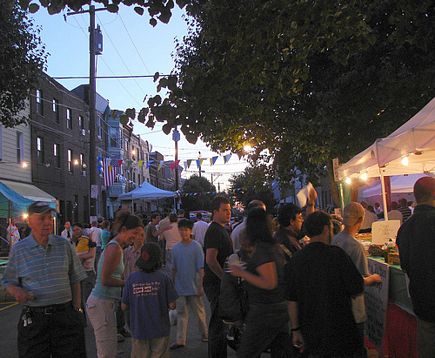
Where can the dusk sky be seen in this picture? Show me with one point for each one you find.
(131, 47)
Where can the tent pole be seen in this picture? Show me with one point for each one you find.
(132, 206)
(341, 197)
(384, 195)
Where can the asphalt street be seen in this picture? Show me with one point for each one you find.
(9, 314)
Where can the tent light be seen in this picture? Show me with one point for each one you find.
(348, 180)
(364, 176)
(405, 161)
(25, 216)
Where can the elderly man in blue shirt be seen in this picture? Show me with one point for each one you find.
(44, 275)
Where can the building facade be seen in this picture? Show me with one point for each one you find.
(60, 146)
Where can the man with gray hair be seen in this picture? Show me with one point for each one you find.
(44, 274)
(416, 241)
(353, 217)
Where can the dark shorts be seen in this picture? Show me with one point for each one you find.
(54, 332)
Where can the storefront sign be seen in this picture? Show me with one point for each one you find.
(376, 304)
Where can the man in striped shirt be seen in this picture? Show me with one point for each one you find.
(44, 275)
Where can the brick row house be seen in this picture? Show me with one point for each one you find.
(60, 147)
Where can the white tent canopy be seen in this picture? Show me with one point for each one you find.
(415, 140)
(147, 191)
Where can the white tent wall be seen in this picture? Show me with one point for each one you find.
(414, 140)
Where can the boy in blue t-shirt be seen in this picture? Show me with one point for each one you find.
(188, 271)
(149, 295)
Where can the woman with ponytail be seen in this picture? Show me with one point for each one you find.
(102, 302)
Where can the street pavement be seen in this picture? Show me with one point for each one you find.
(9, 314)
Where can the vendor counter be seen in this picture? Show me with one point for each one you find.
(391, 323)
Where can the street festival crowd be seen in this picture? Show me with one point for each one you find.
(289, 286)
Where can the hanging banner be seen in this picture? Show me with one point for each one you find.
(140, 164)
(160, 165)
(189, 161)
(213, 160)
(185, 165)
(227, 158)
(120, 161)
(198, 163)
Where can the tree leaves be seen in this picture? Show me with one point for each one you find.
(139, 10)
(33, 8)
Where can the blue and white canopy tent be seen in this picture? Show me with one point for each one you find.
(148, 192)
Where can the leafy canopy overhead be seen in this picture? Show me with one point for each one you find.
(22, 57)
(157, 9)
(309, 81)
(253, 183)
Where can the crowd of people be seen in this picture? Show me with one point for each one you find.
(297, 288)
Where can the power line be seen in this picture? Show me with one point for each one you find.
(119, 55)
(131, 39)
(107, 77)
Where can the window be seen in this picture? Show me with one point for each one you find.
(81, 123)
(68, 118)
(39, 104)
(100, 127)
(40, 150)
(82, 164)
(56, 155)
(55, 108)
(20, 147)
(113, 137)
(69, 161)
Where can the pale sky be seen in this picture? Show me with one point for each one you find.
(131, 47)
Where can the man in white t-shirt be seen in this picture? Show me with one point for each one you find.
(95, 235)
(199, 229)
(68, 232)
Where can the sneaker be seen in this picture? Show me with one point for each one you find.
(176, 346)
(120, 338)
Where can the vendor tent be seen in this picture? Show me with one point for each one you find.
(147, 191)
(408, 150)
(402, 184)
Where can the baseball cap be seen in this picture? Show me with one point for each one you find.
(352, 212)
(39, 207)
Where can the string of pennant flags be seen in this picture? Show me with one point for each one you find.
(111, 169)
(117, 163)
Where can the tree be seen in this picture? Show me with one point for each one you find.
(202, 189)
(308, 81)
(253, 183)
(22, 58)
(157, 9)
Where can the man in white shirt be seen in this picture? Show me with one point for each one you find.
(68, 232)
(95, 236)
(199, 229)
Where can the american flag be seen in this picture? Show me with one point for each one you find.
(109, 172)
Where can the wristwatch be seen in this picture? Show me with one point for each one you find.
(79, 309)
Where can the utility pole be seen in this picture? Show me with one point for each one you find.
(94, 199)
(176, 138)
(95, 207)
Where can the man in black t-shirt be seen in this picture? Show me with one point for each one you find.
(217, 247)
(322, 280)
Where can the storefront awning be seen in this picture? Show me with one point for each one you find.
(29, 191)
(16, 197)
